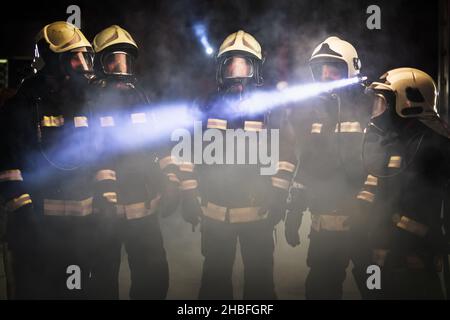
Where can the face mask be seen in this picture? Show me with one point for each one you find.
(78, 66)
(237, 73)
(118, 63)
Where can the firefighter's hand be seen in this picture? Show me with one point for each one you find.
(296, 200)
(191, 209)
(105, 203)
(170, 199)
(292, 227)
(275, 213)
(275, 206)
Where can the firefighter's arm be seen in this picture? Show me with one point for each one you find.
(296, 200)
(285, 168)
(105, 186)
(190, 204)
(171, 184)
(13, 191)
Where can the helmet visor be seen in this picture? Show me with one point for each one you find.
(118, 63)
(328, 71)
(81, 62)
(237, 67)
(379, 106)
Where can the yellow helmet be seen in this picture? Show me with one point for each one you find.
(63, 49)
(62, 36)
(113, 35)
(334, 49)
(239, 60)
(116, 52)
(415, 96)
(241, 41)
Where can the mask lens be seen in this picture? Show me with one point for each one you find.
(379, 106)
(323, 72)
(118, 63)
(237, 67)
(81, 62)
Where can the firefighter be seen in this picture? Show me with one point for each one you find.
(44, 174)
(328, 130)
(131, 189)
(235, 201)
(406, 153)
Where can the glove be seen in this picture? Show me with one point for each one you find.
(104, 206)
(296, 200)
(191, 209)
(292, 226)
(296, 205)
(170, 199)
(275, 206)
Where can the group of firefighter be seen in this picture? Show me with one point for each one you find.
(370, 162)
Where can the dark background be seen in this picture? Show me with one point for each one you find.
(173, 64)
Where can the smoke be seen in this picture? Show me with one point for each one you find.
(172, 67)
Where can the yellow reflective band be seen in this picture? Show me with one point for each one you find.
(173, 177)
(188, 185)
(253, 126)
(17, 203)
(371, 181)
(11, 175)
(68, 207)
(395, 162)
(250, 214)
(286, 166)
(110, 196)
(107, 122)
(187, 167)
(214, 212)
(80, 122)
(53, 121)
(105, 175)
(366, 196)
(280, 183)
(167, 161)
(237, 215)
(138, 210)
(316, 128)
(412, 226)
(137, 118)
(217, 124)
(329, 222)
(349, 127)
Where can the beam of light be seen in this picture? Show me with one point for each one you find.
(154, 125)
(263, 101)
(202, 36)
(157, 125)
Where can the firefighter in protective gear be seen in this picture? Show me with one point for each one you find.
(132, 188)
(328, 131)
(235, 202)
(44, 173)
(406, 153)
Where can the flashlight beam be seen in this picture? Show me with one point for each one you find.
(162, 120)
(202, 36)
(261, 102)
